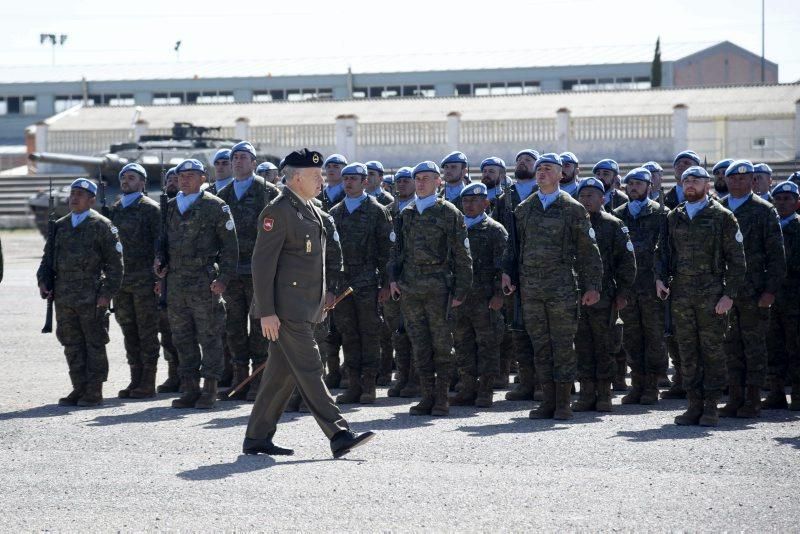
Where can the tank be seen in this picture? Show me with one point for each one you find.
(153, 152)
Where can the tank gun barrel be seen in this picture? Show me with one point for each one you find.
(90, 163)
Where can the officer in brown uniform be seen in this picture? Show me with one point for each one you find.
(288, 295)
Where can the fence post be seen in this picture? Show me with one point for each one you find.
(562, 129)
(680, 128)
(347, 135)
(242, 129)
(453, 130)
(140, 128)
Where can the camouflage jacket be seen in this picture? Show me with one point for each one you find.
(88, 261)
(365, 237)
(333, 251)
(643, 232)
(431, 250)
(618, 198)
(671, 198)
(487, 243)
(327, 202)
(384, 198)
(245, 212)
(789, 293)
(139, 225)
(616, 251)
(554, 245)
(506, 203)
(763, 246)
(706, 255)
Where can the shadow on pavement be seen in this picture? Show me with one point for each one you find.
(243, 464)
(54, 410)
(793, 442)
(518, 425)
(672, 431)
(155, 415)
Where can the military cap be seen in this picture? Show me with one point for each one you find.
(740, 166)
(85, 184)
(493, 161)
(223, 153)
(592, 182)
(762, 167)
(375, 166)
(425, 166)
(794, 177)
(403, 172)
(696, 171)
(639, 173)
(529, 151)
(266, 166)
(475, 189)
(190, 165)
(305, 158)
(550, 157)
(355, 168)
(786, 187)
(653, 166)
(281, 164)
(722, 165)
(170, 172)
(388, 179)
(455, 157)
(569, 157)
(244, 146)
(135, 167)
(335, 158)
(691, 154)
(605, 164)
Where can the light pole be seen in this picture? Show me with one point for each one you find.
(178, 51)
(54, 40)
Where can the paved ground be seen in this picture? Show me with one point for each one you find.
(144, 466)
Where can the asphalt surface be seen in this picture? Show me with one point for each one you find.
(143, 466)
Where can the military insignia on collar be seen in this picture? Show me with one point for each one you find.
(226, 208)
(466, 243)
(268, 224)
(739, 236)
(625, 230)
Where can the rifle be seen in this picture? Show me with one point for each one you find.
(668, 331)
(50, 261)
(105, 212)
(516, 319)
(161, 243)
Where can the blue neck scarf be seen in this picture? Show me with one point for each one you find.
(525, 188)
(472, 221)
(130, 198)
(352, 204)
(492, 194)
(787, 220)
(185, 201)
(679, 193)
(693, 208)
(219, 185)
(377, 192)
(78, 218)
(240, 187)
(547, 199)
(764, 196)
(569, 188)
(451, 192)
(635, 207)
(734, 203)
(424, 203)
(334, 192)
(401, 204)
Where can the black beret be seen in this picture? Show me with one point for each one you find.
(303, 158)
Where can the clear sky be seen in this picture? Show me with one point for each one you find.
(102, 31)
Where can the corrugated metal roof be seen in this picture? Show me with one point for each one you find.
(477, 60)
(744, 101)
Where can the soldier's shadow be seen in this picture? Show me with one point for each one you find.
(54, 410)
(243, 464)
(793, 442)
(156, 414)
(671, 431)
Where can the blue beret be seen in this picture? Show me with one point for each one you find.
(475, 189)
(740, 166)
(243, 146)
(786, 187)
(722, 165)
(335, 158)
(455, 157)
(529, 151)
(223, 153)
(696, 171)
(653, 166)
(687, 154)
(403, 172)
(425, 166)
(266, 166)
(375, 166)
(592, 182)
(794, 177)
(569, 157)
(388, 179)
(639, 173)
(85, 184)
(605, 164)
(170, 172)
(135, 167)
(762, 167)
(493, 161)
(355, 168)
(550, 157)
(190, 165)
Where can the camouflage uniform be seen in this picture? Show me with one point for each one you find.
(387, 353)
(618, 198)
(88, 265)
(136, 304)
(383, 198)
(671, 202)
(329, 339)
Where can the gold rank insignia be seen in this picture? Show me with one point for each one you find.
(315, 159)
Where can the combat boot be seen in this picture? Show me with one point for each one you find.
(78, 388)
(776, 399)
(735, 401)
(368, 382)
(548, 406)
(693, 414)
(147, 385)
(649, 390)
(795, 405)
(710, 413)
(603, 396)
(675, 391)
(353, 393)
(397, 387)
(93, 395)
(563, 410)
(587, 397)
(752, 403)
(412, 387)
(173, 383)
(485, 396)
(524, 390)
(468, 393)
(634, 396)
(334, 377)
(252, 388)
(208, 396)
(441, 405)
(426, 404)
(240, 374)
(501, 380)
(621, 368)
(136, 377)
(190, 392)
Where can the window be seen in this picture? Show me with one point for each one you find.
(64, 102)
(12, 105)
(262, 96)
(221, 97)
(480, 89)
(392, 92)
(121, 100)
(191, 98)
(567, 85)
(167, 99)
(375, 92)
(293, 95)
(3, 108)
(531, 87)
(463, 89)
(277, 94)
(359, 92)
(29, 106)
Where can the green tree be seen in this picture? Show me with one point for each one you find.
(655, 69)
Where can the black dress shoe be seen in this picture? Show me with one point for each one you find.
(345, 441)
(264, 446)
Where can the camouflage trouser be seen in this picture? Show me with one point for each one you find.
(402, 346)
(328, 338)
(551, 324)
(136, 310)
(517, 342)
(429, 332)
(387, 349)
(746, 342)
(593, 342)
(699, 332)
(243, 345)
(644, 334)
(170, 352)
(359, 324)
(477, 337)
(783, 342)
(83, 331)
(197, 319)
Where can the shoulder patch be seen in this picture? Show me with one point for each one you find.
(466, 243)
(739, 236)
(226, 208)
(592, 233)
(336, 236)
(119, 247)
(392, 236)
(268, 224)
(625, 230)
(629, 246)
(229, 225)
